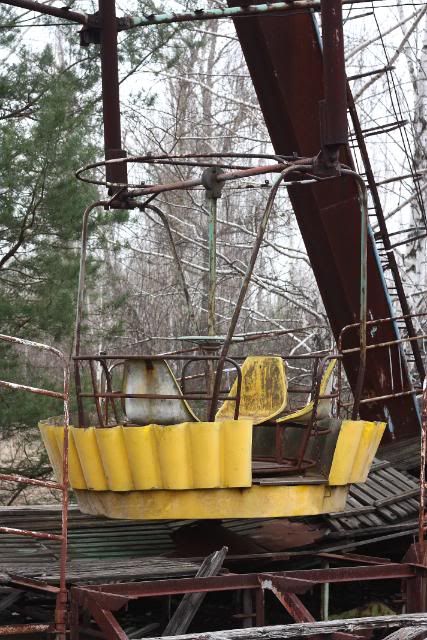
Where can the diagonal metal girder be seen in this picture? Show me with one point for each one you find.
(284, 57)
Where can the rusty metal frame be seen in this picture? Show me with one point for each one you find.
(383, 233)
(397, 343)
(300, 463)
(275, 52)
(283, 464)
(130, 22)
(104, 601)
(60, 623)
(297, 169)
(110, 395)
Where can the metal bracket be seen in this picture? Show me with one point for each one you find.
(91, 33)
(281, 585)
(211, 183)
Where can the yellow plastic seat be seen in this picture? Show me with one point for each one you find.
(263, 393)
(154, 377)
(303, 415)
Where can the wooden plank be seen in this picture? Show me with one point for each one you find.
(190, 603)
(305, 629)
(406, 633)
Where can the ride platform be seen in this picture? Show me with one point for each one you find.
(205, 470)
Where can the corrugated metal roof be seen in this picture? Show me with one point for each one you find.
(403, 455)
(386, 505)
(388, 496)
(98, 548)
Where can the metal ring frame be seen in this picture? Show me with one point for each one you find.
(289, 171)
(196, 160)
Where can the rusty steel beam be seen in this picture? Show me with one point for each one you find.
(107, 622)
(57, 12)
(289, 585)
(106, 594)
(281, 54)
(293, 605)
(32, 583)
(296, 609)
(104, 600)
(416, 589)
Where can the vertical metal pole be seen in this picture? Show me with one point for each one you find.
(422, 512)
(212, 203)
(324, 597)
(259, 608)
(213, 192)
(247, 608)
(61, 598)
(364, 221)
(116, 173)
(80, 304)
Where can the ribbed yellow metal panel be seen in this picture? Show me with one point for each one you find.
(166, 461)
(372, 433)
(207, 472)
(75, 472)
(176, 457)
(141, 449)
(112, 448)
(90, 458)
(356, 446)
(345, 452)
(173, 446)
(48, 433)
(256, 502)
(236, 453)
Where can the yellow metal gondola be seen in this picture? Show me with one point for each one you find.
(204, 469)
(147, 455)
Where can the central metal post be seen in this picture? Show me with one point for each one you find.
(115, 173)
(213, 192)
(212, 204)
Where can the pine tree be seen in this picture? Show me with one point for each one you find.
(46, 134)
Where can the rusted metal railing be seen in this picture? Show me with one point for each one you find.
(60, 623)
